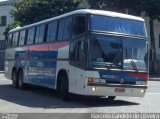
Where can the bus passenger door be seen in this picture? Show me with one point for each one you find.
(78, 51)
(72, 66)
(82, 47)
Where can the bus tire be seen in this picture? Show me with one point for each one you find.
(111, 97)
(14, 79)
(20, 80)
(64, 88)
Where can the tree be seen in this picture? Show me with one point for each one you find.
(123, 6)
(149, 8)
(31, 11)
(9, 27)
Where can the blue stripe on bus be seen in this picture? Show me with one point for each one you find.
(43, 55)
(117, 77)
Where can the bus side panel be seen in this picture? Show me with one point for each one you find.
(82, 80)
(63, 64)
(41, 63)
(9, 62)
(21, 56)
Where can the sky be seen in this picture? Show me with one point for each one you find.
(3, 0)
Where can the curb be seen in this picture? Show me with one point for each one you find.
(154, 79)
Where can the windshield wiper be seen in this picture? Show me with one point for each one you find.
(132, 62)
(134, 65)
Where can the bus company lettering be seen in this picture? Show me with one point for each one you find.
(110, 76)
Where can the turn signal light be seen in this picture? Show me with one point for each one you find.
(90, 80)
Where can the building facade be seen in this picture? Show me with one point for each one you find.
(5, 18)
(157, 44)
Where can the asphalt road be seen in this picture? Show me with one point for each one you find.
(40, 100)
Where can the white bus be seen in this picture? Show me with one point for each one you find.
(85, 52)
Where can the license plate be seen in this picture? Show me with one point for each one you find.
(119, 90)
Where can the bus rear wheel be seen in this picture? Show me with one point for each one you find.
(14, 79)
(111, 97)
(64, 88)
(20, 80)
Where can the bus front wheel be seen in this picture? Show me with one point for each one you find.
(64, 88)
(111, 97)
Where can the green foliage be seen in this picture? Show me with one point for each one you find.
(31, 11)
(11, 26)
(151, 8)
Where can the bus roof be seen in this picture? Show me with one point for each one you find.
(84, 11)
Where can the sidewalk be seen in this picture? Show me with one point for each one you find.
(154, 78)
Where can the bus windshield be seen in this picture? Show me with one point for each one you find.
(119, 25)
(135, 54)
(112, 52)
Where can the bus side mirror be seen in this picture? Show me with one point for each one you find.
(79, 24)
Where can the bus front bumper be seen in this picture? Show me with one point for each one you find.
(103, 89)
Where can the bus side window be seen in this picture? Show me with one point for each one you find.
(64, 30)
(72, 51)
(15, 39)
(22, 37)
(79, 25)
(52, 31)
(40, 34)
(30, 38)
(67, 29)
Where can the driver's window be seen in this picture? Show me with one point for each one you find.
(78, 51)
(72, 51)
(78, 26)
(81, 51)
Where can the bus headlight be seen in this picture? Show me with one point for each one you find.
(142, 91)
(93, 89)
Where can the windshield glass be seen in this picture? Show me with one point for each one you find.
(105, 52)
(113, 52)
(135, 54)
(119, 25)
